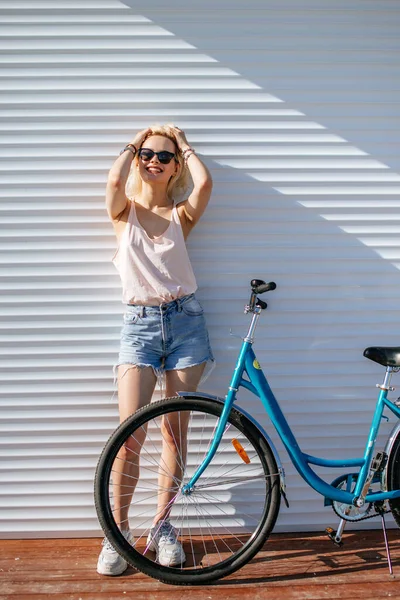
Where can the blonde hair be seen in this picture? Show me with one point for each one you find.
(177, 185)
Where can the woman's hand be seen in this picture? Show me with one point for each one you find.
(180, 137)
(140, 137)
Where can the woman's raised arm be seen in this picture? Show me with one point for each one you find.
(116, 199)
(196, 204)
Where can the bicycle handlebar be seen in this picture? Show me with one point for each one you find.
(260, 287)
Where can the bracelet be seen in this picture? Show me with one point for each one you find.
(131, 148)
(188, 152)
(188, 155)
(188, 149)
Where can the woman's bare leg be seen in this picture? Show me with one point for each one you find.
(174, 433)
(135, 389)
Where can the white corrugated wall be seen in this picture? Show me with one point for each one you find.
(295, 106)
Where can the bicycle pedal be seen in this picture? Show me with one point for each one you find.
(332, 536)
(378, 462)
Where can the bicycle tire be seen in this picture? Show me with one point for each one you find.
(393, 477)
(244, 540)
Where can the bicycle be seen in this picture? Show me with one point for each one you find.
(231, 456)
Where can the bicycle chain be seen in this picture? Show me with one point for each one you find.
(375, 514)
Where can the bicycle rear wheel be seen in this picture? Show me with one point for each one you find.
(220, 526)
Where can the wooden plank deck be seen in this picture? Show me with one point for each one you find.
(291, 566)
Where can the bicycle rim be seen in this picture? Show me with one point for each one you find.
(223, 521)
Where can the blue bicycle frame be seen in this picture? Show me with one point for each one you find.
(257, 383)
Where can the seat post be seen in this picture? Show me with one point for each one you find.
(386, 382)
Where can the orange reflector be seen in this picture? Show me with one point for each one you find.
(241, 451)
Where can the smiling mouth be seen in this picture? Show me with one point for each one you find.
(154, 170)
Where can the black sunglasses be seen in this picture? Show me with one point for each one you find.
(164, 156)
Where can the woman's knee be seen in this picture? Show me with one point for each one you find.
(174, 429)
(133, 444)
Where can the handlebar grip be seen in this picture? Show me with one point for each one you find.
(265, 287)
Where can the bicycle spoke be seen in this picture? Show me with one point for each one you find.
(222, 526)
(240, 465)
(237, 480)
(149, 457)
(225, 513)
(191, 541)
(161, 458)
(201, 530)
(210, 534)
(181, 463)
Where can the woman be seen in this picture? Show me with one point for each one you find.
(164, 329)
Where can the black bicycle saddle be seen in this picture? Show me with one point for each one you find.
(386, 356)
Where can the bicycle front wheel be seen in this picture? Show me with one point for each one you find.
(222, 522)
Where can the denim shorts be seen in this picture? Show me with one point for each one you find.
(168, 337)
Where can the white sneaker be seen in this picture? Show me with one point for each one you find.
(110, 562)
(163, 540)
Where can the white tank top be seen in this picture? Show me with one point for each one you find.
(153, 271)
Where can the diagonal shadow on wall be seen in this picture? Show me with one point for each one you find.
(322, 64)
